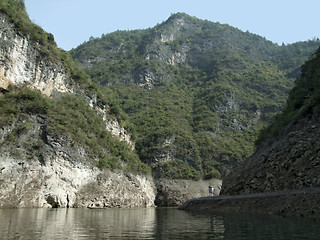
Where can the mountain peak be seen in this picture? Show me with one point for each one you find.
(179, 19)
(176, 26)
(180, 15)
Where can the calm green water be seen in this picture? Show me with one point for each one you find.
(149, 223)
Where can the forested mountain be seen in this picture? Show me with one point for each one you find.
(287, 156)
(196, 92)
(303, 101)
(186, 99)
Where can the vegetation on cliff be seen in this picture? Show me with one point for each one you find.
(193, 93)
(67, 115)
(16, 11)
(196, 92)
(287, 154)
(71, 117)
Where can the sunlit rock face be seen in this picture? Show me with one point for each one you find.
(60, 183)
(42, 169)
(22, 63)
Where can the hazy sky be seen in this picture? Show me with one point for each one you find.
(73, 21)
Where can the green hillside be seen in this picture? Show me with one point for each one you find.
(196, 92)
(303, 101)
(68, 116)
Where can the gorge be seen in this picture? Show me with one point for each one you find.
(146, 117)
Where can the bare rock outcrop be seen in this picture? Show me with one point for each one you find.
(41, 169)
(22, 63)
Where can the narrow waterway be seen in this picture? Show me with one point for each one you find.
(149, 223)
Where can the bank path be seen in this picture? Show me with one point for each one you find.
(302, 202)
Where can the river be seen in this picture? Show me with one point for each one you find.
(149, 223)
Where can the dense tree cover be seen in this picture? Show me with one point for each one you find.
(196, 92)
(303, 101)
(67, 116)
(290, 56)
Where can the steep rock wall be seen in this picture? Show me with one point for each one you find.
(60, 183)
(21, 63)
(41, 169)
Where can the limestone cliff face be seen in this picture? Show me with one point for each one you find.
(112, 125)
(41, 169)
(160, 48)
(21, 63)
(60, 183)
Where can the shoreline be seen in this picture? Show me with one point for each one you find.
(302, 202)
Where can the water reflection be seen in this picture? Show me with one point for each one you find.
(266, 227)
(149, 223)
(175, 224)
(76, 223)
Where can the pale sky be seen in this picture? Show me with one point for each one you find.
(74, 21)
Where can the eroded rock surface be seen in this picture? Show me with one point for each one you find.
(41, 169)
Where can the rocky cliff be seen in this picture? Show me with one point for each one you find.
(184, 129)
(43, 168)
(22, 63)
(282, 176)
(196, 92)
